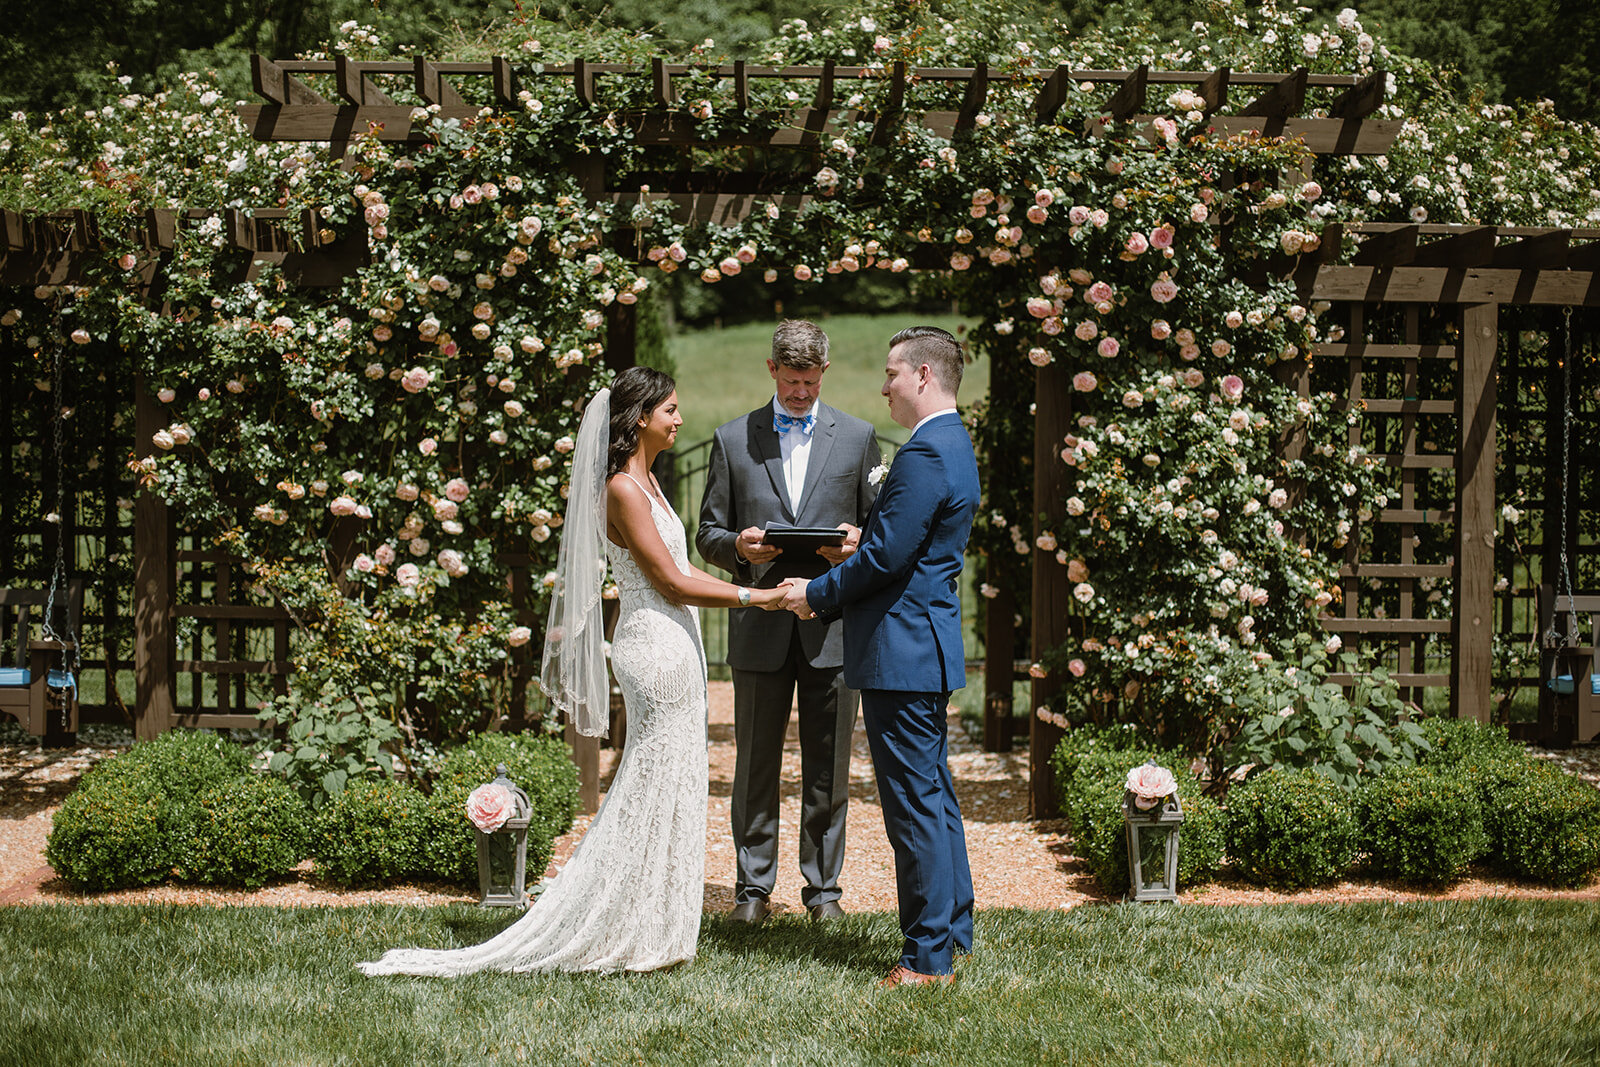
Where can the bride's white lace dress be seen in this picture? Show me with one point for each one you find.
(630, 897)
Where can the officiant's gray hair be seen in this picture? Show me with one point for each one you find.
(799, 344)
(937, 348)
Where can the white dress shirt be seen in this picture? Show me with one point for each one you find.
(922, 421)
(795, 447)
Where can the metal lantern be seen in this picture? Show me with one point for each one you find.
(503, 854)
(1152, 847)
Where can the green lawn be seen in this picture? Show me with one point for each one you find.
(723, 373)
(1492, 982)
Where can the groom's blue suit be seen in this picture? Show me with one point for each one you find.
(900, 599)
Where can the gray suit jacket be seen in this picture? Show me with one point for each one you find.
(744, 487)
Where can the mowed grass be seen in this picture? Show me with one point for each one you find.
(1490, 981)
(723, 373)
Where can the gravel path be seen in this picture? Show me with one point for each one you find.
(1015, 862)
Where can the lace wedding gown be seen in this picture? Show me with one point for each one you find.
(630, 897)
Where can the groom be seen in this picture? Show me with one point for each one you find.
(900, 599)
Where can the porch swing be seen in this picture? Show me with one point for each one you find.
(30, 687)
(1566, 712)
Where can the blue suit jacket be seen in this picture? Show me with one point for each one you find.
(899, 593)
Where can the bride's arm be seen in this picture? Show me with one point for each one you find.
(630, 524)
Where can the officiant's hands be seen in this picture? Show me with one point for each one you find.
(839, 553)
(752, 547)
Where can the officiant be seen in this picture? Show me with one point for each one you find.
(792, 462)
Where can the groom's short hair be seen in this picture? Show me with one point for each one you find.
(937, 348)
(801, 344)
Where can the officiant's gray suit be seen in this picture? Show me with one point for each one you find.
(774, 654)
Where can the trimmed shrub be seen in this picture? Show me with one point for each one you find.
(1464, 744)
(1290, 829)
(1542, 823)
(371, 833)
(541, 764)
(108, 834)
(1419, 824)
(249, 830)
(132, 819)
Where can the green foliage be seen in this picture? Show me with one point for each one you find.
(1464, 746)
(541, 764)
(108, 834)
(1294, 719)
(1542, 823)
(1419, 824)
(329, 742)
(248, 831)
(1290, 829)
(1090, 775)
(139, 818)
(371, 833)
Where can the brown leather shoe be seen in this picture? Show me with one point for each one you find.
(903, 975)
(751, 912)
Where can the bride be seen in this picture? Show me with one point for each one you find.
(630, 897)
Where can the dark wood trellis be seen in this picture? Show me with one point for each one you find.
(1444, 281)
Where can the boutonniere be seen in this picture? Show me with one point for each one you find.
(877, 474)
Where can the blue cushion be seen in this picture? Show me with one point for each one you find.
(15, 676)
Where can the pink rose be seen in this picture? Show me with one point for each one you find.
(427, 446)
(1220, 348)
(415, 380)
(1109, 347)
(960, 261)
(1161, 238)
(1051, 326)
(1039, 357)
(472, 194)
(1160, 329)
(1084, 382)
(1044, 198)
(1078, 214)
(1040, 308)
(384, 554)
(519, 636)
(1232, 386)
(1077, 571)
(342, 505)
(1037, 215)
(1099, 293)
(1086, 330)
(490, 807)
(1149, 784)
(802, 273)
(1137, 244)
(407, 574)
(364, 563)
(126, 261)
(1163, 290)
(457, 489)
(1077, 668)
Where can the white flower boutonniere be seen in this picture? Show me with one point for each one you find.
(877, 474)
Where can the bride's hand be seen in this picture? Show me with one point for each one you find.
(768, 599)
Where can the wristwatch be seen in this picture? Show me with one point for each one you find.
(744, 597)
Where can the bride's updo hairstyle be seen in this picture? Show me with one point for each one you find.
(634, 395)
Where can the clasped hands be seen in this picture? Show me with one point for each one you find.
(793, 599)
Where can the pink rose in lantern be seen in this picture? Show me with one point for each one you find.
(1232, 386)
(1084, 382)
(1150, 784)
(491, 806)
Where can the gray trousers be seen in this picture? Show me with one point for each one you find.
(827, 715)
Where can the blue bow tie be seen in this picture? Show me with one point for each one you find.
(782, 423)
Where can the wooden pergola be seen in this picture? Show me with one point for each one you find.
(1465, 273)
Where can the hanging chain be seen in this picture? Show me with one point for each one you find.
(70, 658)
(1566, 452)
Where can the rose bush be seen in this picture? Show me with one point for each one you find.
(407, 431)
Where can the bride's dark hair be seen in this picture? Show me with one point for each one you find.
(634, 395)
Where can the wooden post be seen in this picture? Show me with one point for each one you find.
(1472, 627)
(152, 588)
(1052, 596)
(1000, 654)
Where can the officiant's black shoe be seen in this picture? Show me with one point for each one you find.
(827, 911)
(751, 912)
